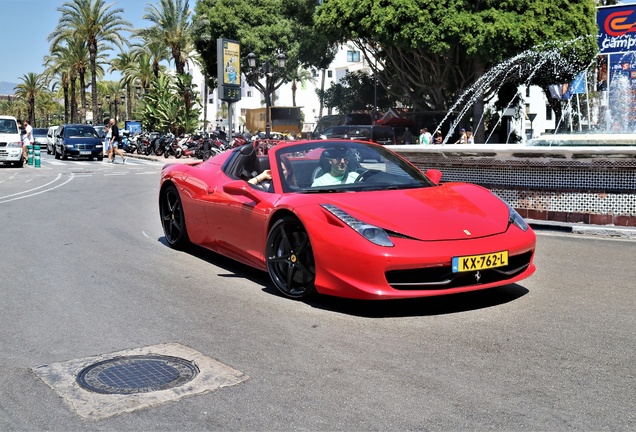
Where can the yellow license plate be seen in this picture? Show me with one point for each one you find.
(479, 262)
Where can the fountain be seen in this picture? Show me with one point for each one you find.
(573, 178)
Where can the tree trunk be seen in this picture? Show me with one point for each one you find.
(322, 89)
(92, 53)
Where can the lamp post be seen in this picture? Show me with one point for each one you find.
(271, 74)
(123, 105)
(110, 109)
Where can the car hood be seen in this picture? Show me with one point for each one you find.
(82, 140)
(448, 212)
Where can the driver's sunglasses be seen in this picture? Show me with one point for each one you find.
(344, 158)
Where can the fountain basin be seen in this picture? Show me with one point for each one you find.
(575, 184)
(590, 139)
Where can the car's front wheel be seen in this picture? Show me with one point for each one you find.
(173, 218)
(290, 259)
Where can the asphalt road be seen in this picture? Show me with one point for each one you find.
(86, 272)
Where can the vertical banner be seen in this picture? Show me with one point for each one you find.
(228, 60)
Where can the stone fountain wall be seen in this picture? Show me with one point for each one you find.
(566, 184)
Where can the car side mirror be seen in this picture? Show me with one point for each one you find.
(241, 188)
(434, 175)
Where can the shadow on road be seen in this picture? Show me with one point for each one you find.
(446, 304)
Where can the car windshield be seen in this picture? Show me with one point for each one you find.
(8, 126)
(39, 132)
(344, 166)
(80, 132)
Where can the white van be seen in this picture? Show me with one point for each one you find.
(50, 139)
(10, 142)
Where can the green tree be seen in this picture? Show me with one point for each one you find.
(164, 108)
(302, 76)
(172, 28)
(261, 26)
(29, 89)
(356, 91)
(98, 23)
(432, 50)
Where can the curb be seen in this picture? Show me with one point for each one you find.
(610, 231)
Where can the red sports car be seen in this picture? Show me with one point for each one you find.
(346, 218)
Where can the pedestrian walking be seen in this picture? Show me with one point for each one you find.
(425, 136)
(107, 136)
(407, 138)
(470, 139)
(115, 141)
(462, 137)
(27, 139)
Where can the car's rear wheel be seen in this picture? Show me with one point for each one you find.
(290, 259)
(57, 155)
(172, 218)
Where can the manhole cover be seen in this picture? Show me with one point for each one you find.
(137, 374)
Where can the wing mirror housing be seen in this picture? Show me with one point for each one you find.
(241, 188)
(434, 175)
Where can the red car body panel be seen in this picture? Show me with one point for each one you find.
(430, 225)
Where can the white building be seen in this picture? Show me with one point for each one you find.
(347, 59)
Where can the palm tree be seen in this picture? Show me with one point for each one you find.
(125, 63)
(302, 76)
(172, 27)
(98, 23)
(31, 86)
(154, 52)
(57, 72)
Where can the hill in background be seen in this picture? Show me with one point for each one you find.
(7, 88)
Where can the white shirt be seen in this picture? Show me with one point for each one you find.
(28, 136)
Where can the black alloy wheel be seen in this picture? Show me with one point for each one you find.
(172, 218)
(290, 259)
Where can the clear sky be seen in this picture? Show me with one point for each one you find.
(26, 24)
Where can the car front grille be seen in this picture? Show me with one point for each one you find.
(436, 278)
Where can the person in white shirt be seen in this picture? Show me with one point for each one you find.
(27, 139)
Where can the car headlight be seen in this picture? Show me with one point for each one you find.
(515, 218)
(14, 144)
(69, 146)
(372, 233)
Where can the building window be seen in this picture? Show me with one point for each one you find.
(353, 56)
(548, 112)
(329, 73)
(528, 91)
(249, 93)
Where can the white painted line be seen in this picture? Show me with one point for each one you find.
(72, 176)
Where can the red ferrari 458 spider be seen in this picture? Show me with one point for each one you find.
(345, 218)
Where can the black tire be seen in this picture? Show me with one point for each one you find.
(166, 155)
(290, 259)
(178, 153)
(172, 218)
(57, 155)
(20, 163)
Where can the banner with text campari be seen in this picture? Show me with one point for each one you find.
(617, 29)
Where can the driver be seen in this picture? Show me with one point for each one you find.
(339, 171)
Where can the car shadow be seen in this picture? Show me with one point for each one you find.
(427, 306)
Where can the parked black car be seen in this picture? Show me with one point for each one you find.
(78, 141)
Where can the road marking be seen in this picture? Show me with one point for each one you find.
(3, 200)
